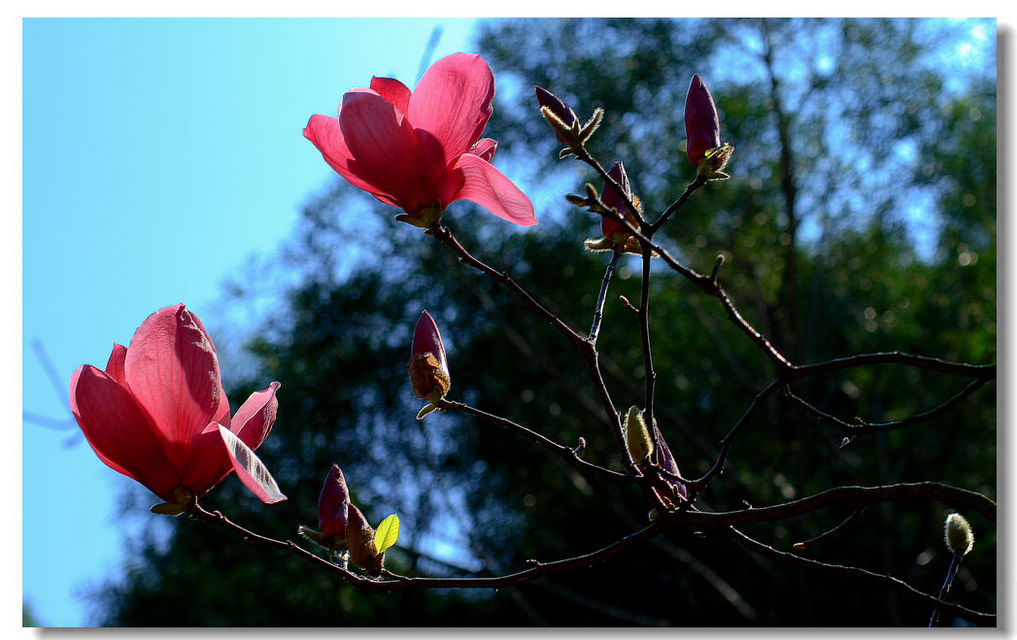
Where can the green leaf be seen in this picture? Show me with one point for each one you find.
(387, 534)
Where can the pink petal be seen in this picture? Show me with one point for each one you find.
(173, 372)
(474, 179)
(251, 471)
(485, 148)
(115, 366)
(119, 431)
(393, 91)
(326, 134)
(453, 101)
(209, 463)
(387, 152)
(254, 419)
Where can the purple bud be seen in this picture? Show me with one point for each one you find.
(615, 200)
(333, 504)
(702, 125)
(428, 366)
(562, 111)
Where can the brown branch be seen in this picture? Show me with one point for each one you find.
(862, 427)
(984, 372)
(650, 375)
(882, 581)
(587, 348)
(567, 453)
(395, 582)
(444, 235)
(962, 499)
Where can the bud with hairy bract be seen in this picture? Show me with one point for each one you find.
(428, 366)
(702, 128)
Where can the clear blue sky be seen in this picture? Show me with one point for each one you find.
(157, 156)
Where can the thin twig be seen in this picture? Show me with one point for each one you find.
(568, 453)
(444, 235)
(855, 573)
(396, 582)
(798, 546)
(598, 312)
(855, 496)
(682, 199)
(650, 375)
(862, 427)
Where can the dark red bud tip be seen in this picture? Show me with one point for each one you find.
(702, 124)
(556, 105)
(428, 365)
(333, 503)
(611, 197)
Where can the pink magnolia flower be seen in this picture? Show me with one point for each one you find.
(158, 413)
(421, 150)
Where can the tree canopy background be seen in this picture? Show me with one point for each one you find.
(860, 217)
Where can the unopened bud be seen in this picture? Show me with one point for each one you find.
(559, 115)
(360, 536)
(428, 366)
(619, 201)
(959, 537)
(702, 128)
(637, 437)
(333, 504)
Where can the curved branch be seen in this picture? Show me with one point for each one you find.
(855, 496)
(570, 455)
(863, 427)
(396, 582)
(855, 573)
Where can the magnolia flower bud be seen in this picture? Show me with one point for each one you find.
(637, 436)
(619, 202)
(959, 538)
(428, 366)
(702, 128)
(561, 117)
(360, 536)
(565, 123)
(333, 504)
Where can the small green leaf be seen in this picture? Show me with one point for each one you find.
(387, 534)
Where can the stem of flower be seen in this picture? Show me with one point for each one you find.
(951, 572)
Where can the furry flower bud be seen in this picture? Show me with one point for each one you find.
(959, 537)
(561, 117)
(428, 366)
(637, 436)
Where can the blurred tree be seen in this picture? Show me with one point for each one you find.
(851, 138)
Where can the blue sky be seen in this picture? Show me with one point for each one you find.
(158, 155)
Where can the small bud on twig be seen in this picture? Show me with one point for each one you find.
(959, 537)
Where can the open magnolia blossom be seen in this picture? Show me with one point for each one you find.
(702, 128)
(158, 414)
(422, 150)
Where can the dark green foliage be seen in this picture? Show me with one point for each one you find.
(821, 257)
